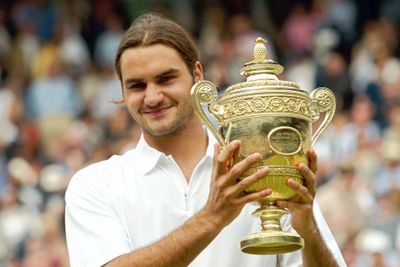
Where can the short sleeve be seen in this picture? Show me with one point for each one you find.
(95, 234)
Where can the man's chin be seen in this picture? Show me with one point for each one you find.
(163, 131)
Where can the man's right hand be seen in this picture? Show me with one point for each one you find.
(227, 193)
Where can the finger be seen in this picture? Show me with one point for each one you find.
(293, 206)
(312, 160)
(244, 183)
(253, 196)
(235, 157)
(217, 151)
(224, 156)
(283, 204)
(302, 191)
(241, 167)
(309, 177)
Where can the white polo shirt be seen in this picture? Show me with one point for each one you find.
(126, 202)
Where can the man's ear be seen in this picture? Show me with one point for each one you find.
(198, 72)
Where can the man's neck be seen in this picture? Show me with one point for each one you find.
(187, 146)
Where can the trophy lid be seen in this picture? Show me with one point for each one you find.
(261, 74)
(261, 67)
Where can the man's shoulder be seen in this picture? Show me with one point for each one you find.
(113, 164)
(103, 174)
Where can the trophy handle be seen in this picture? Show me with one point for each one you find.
(205, 92)
(323, 101)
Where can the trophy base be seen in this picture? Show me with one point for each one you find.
(271, 242)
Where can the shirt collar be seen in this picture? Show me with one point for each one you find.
(150, 156)
(211, 142)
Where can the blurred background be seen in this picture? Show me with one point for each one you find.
(57, 85)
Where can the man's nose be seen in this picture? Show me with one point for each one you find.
(153, 95)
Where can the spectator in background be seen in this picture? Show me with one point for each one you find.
(387, 176)
(298, 30)
(5, 41)
(25, 44)
(73, 49)
(337, 198)
(218, 71)
(234, 46)
(362, 61)
(107, 42)
(334, 75)
(244, 34)
(102, 103)
(391, 134)
(386, 83)
(9, 131)
(16, 223)
(375, 69)
(326, 146)
(302, 69)
(361, 130)
(47, 249)
(341, 15)
(212, 33)
(52, 98)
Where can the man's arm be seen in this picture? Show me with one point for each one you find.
(179, 248)
(315, 251)
(225, 202)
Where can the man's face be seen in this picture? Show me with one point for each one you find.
(156, 87)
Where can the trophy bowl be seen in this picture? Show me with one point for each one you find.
(274, 118)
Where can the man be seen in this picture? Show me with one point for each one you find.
(175, 200)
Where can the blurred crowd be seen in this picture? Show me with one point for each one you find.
(58, 111)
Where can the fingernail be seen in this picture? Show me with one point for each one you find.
(267, 191)
(300, 165)
(235, 144)
(256, 156)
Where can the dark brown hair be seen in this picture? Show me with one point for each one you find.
(150, 29)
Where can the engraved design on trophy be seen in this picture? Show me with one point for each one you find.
(273, 117)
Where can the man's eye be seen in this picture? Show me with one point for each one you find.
(165, 79)
(137, 86)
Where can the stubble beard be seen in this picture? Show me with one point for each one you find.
(177, 126)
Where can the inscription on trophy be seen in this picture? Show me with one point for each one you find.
(285, 140)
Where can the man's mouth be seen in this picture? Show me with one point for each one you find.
(156, 112)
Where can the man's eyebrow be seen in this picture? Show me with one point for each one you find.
(170, 71)
(167, 72)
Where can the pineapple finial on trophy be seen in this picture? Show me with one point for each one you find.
(260, 51)
(261, 67)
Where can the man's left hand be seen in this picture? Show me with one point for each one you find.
(301, 206)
